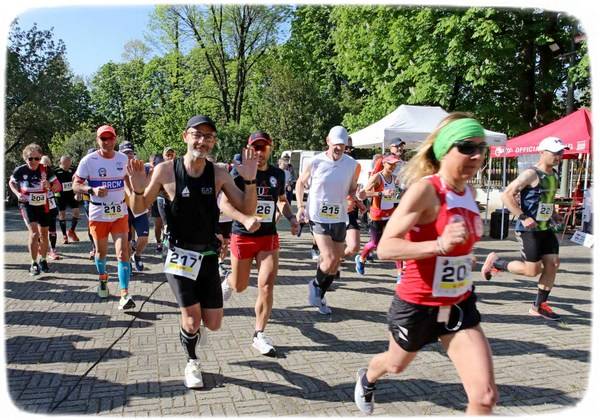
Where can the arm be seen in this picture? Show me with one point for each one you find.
(509, 195)
(301, 183)
(372, 184)
(419, 205)
(144, 191)
(285, 209)
(14, 187)
(250, 222)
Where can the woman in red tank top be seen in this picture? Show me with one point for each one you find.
(433, 230)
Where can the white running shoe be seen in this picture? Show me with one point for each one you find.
(102, 289)
(126, 303)
(488, 266)
(193, 374)
(323, 308)
(314, 294)
(226, 289)
(364, 404)
(263, 344)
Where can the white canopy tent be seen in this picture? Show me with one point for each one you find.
(412, 124)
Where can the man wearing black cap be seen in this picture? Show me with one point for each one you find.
(255, 238)
(192, 184)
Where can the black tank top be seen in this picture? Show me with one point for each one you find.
(193, 214)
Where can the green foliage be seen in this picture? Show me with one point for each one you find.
(75, 145)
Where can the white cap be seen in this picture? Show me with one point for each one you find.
(552, 144)
(338, 135)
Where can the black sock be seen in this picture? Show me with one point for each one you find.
(189, 342)
(91, 238)
(368, 387)
(63, 227)
(52, 240)
(324, 280)
(74, 221)
(256, 333)
(542, 296)
(337, 275)
(501, 265)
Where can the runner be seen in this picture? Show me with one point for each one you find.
(30, 183)
(139, 225)
(534, 209)
(102, 175)
(354, 206)
(255, 238)
(85, 198)
(158, 224)
(66, 198)
(52, 213)
(332, 176)
(162, 202)
(383, 189)
(192, 184)
(434, 230)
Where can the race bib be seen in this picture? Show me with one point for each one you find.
(329, 211)
(37, 199)
(67, 186)
(391, 199)
(265, 210)
(112, 210)
(181, 262)
(452, 276)
(51, 203)
(544, 212)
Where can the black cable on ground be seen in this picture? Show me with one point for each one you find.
(106, 351)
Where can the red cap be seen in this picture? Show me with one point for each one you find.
(106, 129)
(391, 159)
(258, 136)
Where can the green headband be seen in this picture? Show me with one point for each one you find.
(455, 131)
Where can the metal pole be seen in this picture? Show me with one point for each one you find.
(487, 198)
(585, 183)
(503, 187)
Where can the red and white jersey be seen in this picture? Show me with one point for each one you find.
(443, 279)
(383, 207)
(108, 173)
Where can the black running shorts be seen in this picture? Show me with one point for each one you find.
(205, 290)
(225, 229)
(537, 243)
(337, 231)
(353, 220)
(35, 214)
(413, 326)
(67, 199)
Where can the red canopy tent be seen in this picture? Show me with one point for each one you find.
(575, 129)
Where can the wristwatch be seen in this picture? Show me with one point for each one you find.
(249, 182)
(90, 191)
(522, 216)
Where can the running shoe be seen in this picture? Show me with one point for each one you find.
(159, 248)
(133, 245)
(65, 239)
(226, 289)
(314, 293)
(488, 266)
(44, 266)
(365, 401)
(370, 257)
(126, 303)
(34, 270)
(92, 254)
(314, 254)
(545, 311)
(360, 265)
(73, 235)
(193, 374)
(136, 264)
(263, 344)
(223, 270)
(53, 255)
(103, 286)
(323, 308)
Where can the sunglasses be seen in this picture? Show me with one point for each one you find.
(470, 148)
(37, 159)
(107, 138)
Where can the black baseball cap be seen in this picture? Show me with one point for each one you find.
(258, 136)
(200, 119)
(126, 147)
(397, 142)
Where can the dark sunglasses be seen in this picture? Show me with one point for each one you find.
(470, 148)
(34, 158)
(107, 138)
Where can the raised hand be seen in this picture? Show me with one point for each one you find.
(247, 169)
(137, 174)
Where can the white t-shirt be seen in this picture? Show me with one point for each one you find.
(108, 173)
(329, 187)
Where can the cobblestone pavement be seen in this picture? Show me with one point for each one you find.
(57, 329)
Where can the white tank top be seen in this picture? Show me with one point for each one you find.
(388, 202)
(108, 173)
(329, 187)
